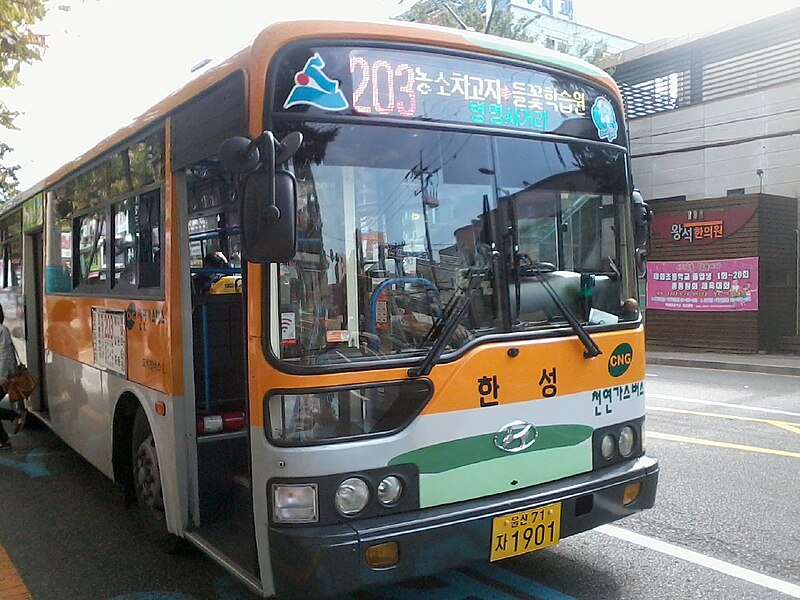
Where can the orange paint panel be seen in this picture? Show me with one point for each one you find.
(149, 350)
(456, 383)
(543, 368)
(172, 277)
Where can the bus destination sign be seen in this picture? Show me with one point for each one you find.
(373, 82)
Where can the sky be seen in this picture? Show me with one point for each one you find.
(108, 61)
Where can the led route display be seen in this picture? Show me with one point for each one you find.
(373, 82)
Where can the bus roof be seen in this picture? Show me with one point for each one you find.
(256, 55)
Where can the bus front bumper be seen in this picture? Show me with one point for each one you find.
(325, 561)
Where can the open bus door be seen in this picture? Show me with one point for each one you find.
(221, 517)
(33, 260)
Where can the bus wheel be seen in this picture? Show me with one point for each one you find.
(147, 486)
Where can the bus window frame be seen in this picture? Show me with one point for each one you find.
(9, 235)
(136, 195)
(106, 288)
(134, 293)
(271, 117)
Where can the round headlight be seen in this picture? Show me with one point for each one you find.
(627, 441)
(352, 496)
(389, 490)
(607, 446)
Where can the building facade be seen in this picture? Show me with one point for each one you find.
(718, 115)
(715, 122)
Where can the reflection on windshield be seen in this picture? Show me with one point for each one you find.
(392, 221)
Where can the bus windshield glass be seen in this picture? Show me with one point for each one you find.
(394, 221)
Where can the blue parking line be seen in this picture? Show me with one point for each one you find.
(459, 587)
(453, 585)
(153, 596)
(32, 466)
(519, 583)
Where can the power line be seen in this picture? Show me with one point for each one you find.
(709, 126)
(719, 144)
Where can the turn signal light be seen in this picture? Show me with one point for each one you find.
(383, 556)
(631, 493)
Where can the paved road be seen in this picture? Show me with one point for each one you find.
(726, 523)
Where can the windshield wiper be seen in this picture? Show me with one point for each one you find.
(592, 349)
(444, 328)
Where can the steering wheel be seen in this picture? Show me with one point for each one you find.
(373, 301)
(537, 267)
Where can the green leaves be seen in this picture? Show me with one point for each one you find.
(503, 23)
(470, 12)
(19, 45)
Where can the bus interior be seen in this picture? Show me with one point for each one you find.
(218, 344)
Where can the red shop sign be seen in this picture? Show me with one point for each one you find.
(701, 226)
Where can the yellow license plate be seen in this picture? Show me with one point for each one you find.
(523, 532)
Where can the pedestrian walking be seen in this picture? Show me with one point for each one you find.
(8, 363)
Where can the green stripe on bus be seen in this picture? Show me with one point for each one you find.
(472, 450)
(512, 472)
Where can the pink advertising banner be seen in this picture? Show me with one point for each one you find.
(723, 285)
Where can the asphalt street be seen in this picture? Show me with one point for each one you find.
(726, 522)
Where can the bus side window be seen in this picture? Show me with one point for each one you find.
(137, 247)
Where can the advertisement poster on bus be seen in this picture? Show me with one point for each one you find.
(724, 285)
(109, 340)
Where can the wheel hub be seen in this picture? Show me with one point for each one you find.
(148, 476)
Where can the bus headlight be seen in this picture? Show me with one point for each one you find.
(339, 414)
(389, 490)
(607, 446)
(616, 443)
(296, 503)
(627, 441)
(352, 496)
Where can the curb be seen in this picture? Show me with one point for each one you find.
(700, 363)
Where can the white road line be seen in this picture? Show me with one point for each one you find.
(702, 560)
(772, 411)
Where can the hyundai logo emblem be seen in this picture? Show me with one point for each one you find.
(516, 436)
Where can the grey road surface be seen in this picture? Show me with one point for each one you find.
(726, 524)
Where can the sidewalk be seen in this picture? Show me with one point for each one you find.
(775, 364)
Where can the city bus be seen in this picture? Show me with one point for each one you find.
(418, 344)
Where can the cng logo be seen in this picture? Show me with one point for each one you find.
(620, 359)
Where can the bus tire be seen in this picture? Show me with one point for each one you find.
(149, 498)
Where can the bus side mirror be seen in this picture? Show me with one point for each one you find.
(269, 225)
(642, 219)
(269, 195)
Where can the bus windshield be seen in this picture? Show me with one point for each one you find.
(393, 221)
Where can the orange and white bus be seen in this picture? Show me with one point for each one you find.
(355, 306)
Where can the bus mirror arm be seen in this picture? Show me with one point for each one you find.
(271, 211)
(642, 221)
(240, 154)
(268, 195)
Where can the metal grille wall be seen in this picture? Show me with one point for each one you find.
(734, 62)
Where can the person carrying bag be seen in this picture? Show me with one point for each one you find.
(11, 378)
(20, 384)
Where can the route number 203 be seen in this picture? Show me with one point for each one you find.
(381, 87)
